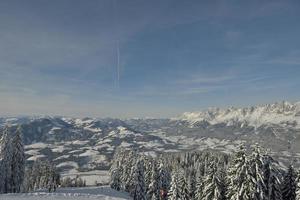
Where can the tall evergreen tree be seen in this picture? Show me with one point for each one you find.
(256, 167)
(241, 185)
(18, 161)
(192, 182)
(289, 184)
(139, 192)
(272, 179)
(6, 160)
(115, 174)
(214, 185)
(174, 192)
(128, 171)
(183, 185)
(153, 191)
(199, 185)
(163, 180)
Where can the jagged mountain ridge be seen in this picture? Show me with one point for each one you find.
(277, 113)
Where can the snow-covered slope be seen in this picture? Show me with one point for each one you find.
(86, 146)
(277, 113)
(100, 193)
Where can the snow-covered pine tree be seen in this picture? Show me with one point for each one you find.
(18, 161)
(163, 180)
(115, 174)
(199, 184)
(289, 184)
(192, 183)
(148, 171)
(183, 185)
(6, 159)
(256, 164)
(214, 184)
(241, 184)
(153, 189)
(272, 179)
(174, 192)
(139, 191)
(128, 171)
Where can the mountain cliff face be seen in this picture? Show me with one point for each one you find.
(77, 145)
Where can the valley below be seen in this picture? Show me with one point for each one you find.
(86, 146)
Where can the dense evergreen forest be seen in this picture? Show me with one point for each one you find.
(247, 175)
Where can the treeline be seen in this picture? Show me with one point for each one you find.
(246, 175)
(41, 175)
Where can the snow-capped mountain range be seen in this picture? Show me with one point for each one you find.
(81, 145)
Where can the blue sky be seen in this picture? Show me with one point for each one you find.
(139, 58)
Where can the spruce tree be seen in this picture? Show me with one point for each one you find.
(153, 191)
(18, 161)
(272, 179)
(139, 191)
(6, 160)
(214, 185)
(174, 192)
(256, 170)
(289, 184)
(115, 174)
(183, 185)
(199, 185)
(163, 180)
(192, 183)
(241, 184)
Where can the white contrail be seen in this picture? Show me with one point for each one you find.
(115, 21)
(118, 64)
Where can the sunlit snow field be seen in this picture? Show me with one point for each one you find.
(101, 193)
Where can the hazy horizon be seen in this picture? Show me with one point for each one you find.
(112, 58)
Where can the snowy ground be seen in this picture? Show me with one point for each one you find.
(89, 193)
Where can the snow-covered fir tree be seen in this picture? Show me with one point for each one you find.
(241, 184)
(18, 161)
(129, 172)
(183, 185)
(139, 191)
(192, 183)
(289, 184)
(148, 171)
(174, 192)
(153, 189)
(272, 179)
(256, 170)
(115, 174)
(164, 180)
(6, 160)
(214, 185)
(199, 185)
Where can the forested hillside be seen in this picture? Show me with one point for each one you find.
(245, 175)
